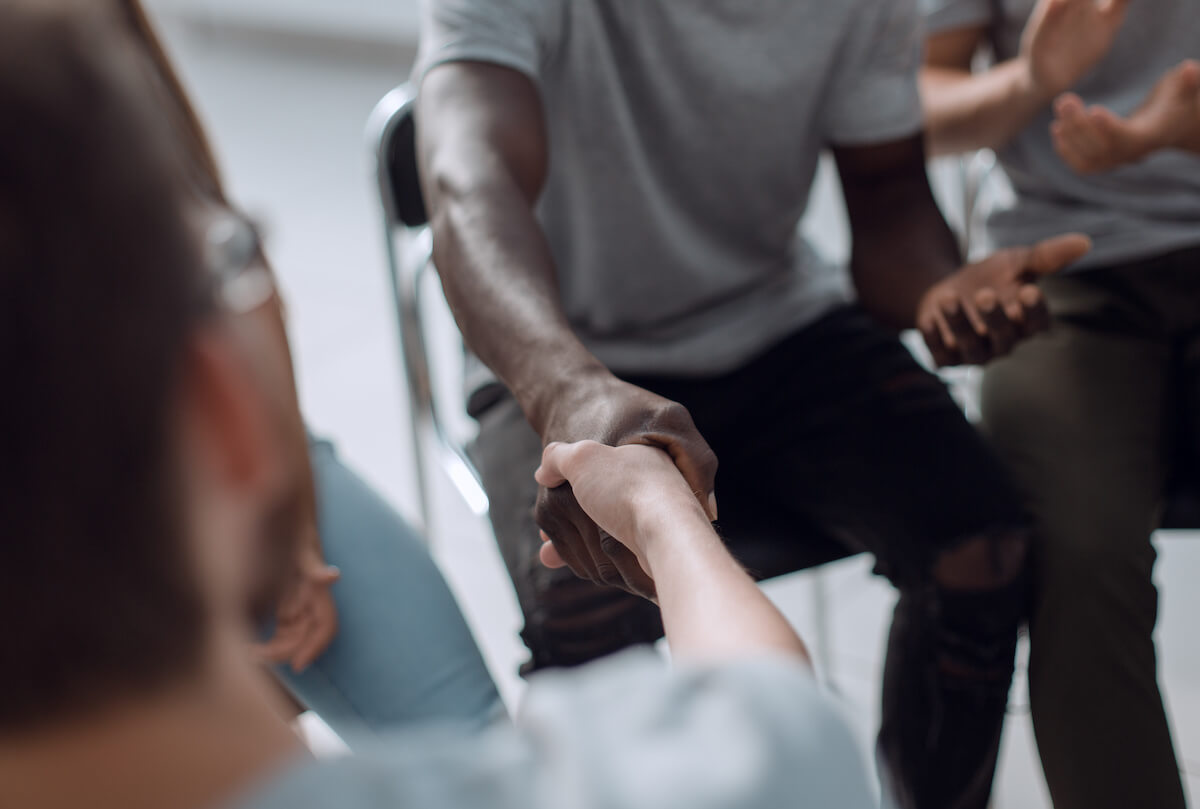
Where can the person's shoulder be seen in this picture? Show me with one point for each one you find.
(432, 766)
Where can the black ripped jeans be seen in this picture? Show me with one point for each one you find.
(833, 442)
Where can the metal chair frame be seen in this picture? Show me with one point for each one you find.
(409, 247)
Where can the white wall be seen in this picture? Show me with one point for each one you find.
(370, 19)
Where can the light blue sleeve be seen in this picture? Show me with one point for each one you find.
(948, 15)
(517, 34)
(623, 733)
(872, 97)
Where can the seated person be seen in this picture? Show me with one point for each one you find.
(150, 499)
(1090, 416)
(615, 190)
(363, 586)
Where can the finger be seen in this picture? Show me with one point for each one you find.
(607, 572)
(637, 581)
(1114, 10)
(280, 648)
(1002, 332)
(676, 433)
(1035, 312)
(1066, 149)
(942, 356)
(1067, 107)
(550, 473)
(327, 575)
(550, 515)
(1050, 256)
(549, 556)
(938, 332)
(967, 339)
(322, 630)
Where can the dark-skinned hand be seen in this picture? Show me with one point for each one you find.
(982, 311)
(609, 411)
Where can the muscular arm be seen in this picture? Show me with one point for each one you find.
(483, 158)
(901, 245)
(966, 111)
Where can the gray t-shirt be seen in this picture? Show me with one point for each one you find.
(1132, 213)
(625, 733)
(684, 138)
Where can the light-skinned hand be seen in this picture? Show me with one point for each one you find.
(622, 489)
(306, 619)
(1064, 39)
(1094, 139)
(609, 411)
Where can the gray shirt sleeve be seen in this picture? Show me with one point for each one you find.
(872, 97)
(947, 15)
(518, 34)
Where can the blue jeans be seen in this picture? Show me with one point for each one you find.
(403, 653)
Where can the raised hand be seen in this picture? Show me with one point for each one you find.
(1095, 139)
(1064, 39)
(608, 411)
(982, 311)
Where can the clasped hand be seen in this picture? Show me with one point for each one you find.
(607, 411)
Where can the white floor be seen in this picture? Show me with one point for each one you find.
(289, 129)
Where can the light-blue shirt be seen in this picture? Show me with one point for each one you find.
(625, 733)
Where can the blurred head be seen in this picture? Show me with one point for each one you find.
(144, 486)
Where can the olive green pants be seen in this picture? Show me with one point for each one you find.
(1093, 418)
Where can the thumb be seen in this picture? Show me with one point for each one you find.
(1050, 256)
(1114, 8)
(550, 474)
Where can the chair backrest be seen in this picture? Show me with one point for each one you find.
(394, 134)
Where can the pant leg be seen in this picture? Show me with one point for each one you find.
(1078, 415)
(838, 432)
(403, 653)
(568, 621)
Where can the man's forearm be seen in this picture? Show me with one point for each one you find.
(966, 111)
(901, 244)
(712, 610)
(499, 279)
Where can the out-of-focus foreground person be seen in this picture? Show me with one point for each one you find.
(361, 587)
(149, 496)
(1098, 417)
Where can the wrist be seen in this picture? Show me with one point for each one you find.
(561, 388)
(1032, 90)
(669, 530)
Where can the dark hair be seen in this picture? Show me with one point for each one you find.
(99, 275)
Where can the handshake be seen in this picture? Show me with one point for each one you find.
(634, 493)
(644, 507)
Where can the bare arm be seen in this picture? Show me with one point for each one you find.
(711, 608)
(1063, 40)
(483, 155)
(901, 245)
(965, 110)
